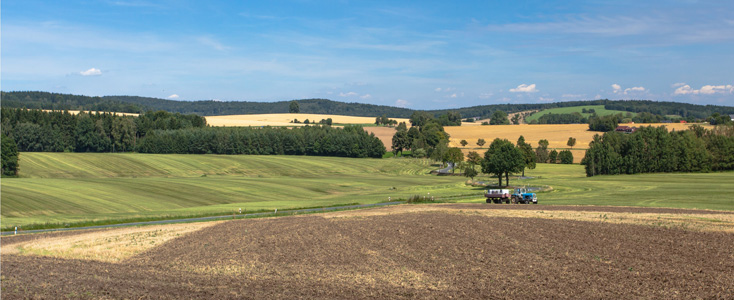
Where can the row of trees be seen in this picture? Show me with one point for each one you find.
(57, 131)
(652, 149)
(384, 120)
(327, 121)
(350, 141)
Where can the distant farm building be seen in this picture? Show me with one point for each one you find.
(626, 129)
(731, 117)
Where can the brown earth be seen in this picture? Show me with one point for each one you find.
(408, 251)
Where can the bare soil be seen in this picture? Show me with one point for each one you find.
(408, 253)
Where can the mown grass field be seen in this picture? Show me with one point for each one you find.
(599, 109)
(75, 187)
(79, 187)
(676, 190)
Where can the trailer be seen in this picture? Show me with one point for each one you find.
(498, 196)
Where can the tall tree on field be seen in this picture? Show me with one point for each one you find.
(481, 142)
(502, 157)
(541, 153)
(473, 158)
(527, 153)
(454, 156)
(463, 143)
(571, 142)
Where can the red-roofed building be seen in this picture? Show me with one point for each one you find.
(626, 129)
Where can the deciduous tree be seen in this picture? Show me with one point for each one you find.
(502, 157)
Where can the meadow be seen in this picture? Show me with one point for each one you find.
(67, 188)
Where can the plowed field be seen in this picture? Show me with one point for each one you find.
(410, 251)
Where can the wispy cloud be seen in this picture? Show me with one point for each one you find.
(348, 94)
(401, 103)
(174, 96)
(211, 42)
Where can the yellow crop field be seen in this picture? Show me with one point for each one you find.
(285, 119)
(556, 134)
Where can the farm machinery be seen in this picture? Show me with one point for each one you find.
(518, 195)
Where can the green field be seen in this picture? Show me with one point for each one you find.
(80, 187)
(75, 187)
(599, 109)
(677, 190)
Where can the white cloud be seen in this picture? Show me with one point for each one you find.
(634, 89)
(617, 88)
(572, 95)
(365, 96)
(485, 95)
(401, 103)
(713, 89)
(705, 90)
(545, 99)
(679, 84)
(454, 95)
(349, 94)
(91, 72)
(174, 96)
(524, 88)
(437, 89)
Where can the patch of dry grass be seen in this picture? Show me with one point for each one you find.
(723, 222)
(113, 245)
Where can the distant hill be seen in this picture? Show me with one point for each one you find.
(135, 104)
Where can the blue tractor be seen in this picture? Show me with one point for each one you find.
(522, 196)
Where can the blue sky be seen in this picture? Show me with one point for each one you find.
(415, 54)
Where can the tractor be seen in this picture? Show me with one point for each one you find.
(522, 196)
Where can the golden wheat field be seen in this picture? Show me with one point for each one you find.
(556, 134)
(285, 119)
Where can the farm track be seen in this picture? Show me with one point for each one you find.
(409, 251)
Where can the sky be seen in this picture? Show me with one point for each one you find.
(414, 54)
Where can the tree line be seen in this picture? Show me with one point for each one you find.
(60, 131)
(654, 149)
(350, 141)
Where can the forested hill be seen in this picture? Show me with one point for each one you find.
(134, 104)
